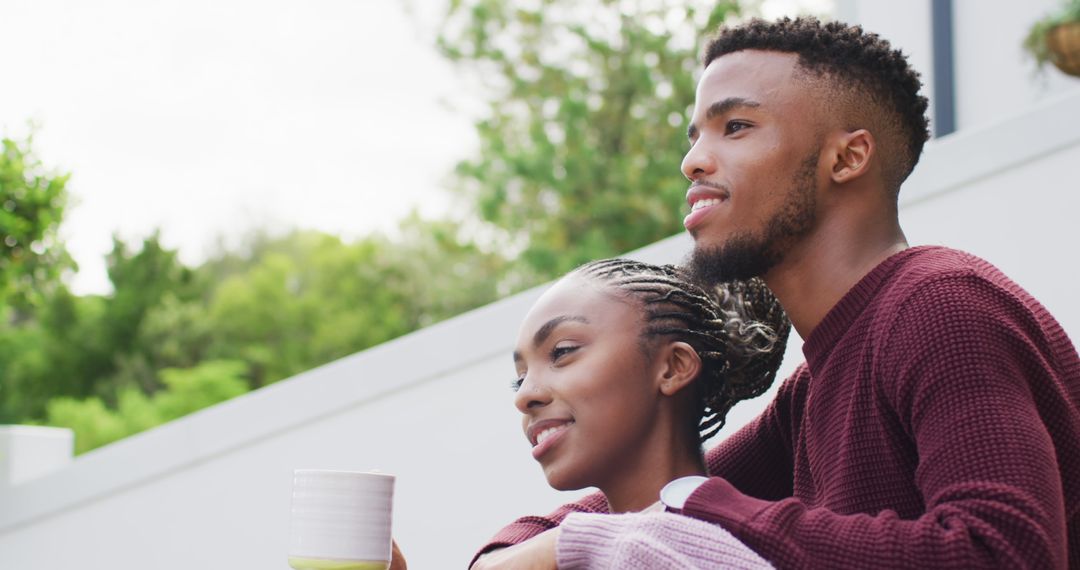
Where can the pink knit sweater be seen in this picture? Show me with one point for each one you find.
(657, 541)
(936, 423)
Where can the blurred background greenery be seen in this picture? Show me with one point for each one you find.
(581, 135)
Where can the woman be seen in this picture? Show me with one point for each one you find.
(625, 368)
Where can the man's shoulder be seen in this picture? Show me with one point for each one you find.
(942, 274)
(792, 391)
(942, 291)
(931, 261)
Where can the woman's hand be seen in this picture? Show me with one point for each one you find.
(537, 553)
(397, 561)
(656, 507)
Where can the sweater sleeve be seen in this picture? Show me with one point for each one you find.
(757, 458)
(658, 541)
(959, 370)
(527, 527)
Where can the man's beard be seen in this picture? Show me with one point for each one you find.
(746, 255)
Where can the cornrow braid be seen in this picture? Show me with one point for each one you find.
(739, 330)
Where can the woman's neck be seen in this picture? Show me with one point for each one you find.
(637, 488)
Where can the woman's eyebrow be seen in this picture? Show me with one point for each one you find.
(545, 331)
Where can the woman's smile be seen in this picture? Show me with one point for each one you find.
(547, 437)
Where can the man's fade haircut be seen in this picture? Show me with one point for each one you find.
(857, 66)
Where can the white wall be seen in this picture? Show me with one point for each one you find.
(212, 490)
(994, 78)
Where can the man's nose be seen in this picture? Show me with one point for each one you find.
(532, 394)
(698, 162)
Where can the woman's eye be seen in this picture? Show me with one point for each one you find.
(560, 351)
(516, 383)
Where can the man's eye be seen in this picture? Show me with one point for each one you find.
(733, 127)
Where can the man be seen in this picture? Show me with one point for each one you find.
(936, 421)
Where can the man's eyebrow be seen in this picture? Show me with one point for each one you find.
(721, 107)
(545, 331)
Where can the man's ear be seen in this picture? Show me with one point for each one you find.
(852, 154)
(680, 366)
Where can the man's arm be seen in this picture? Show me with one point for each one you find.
(528, 527)
(757, 459)
(987, 468)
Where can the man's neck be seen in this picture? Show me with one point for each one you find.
(820, 270)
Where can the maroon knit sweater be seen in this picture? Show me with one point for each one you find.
(936, 423)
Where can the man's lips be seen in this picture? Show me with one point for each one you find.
(703, 198)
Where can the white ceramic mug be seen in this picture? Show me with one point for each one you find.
(341, 520)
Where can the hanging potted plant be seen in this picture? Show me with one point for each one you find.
(1056, 39)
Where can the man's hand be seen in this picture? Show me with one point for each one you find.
(397, 561)
(537, 553)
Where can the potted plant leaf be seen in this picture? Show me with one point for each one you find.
(1056, 39)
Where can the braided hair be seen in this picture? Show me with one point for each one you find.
(739, 331)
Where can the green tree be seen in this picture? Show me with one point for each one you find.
(585, 125)
(110, 366)
(185, 391)
(52, 351)
(146, 282)
(32, 202)
(71, 346)
(32, 260)
(307, 298)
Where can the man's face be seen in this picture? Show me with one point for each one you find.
(753, 165)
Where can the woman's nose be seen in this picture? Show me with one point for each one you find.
(531, 394)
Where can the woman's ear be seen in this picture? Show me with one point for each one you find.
(681, 365)
(853, 152)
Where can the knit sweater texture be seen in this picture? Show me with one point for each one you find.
(656, 541)
(935, 423)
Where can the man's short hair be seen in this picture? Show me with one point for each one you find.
(871, 82)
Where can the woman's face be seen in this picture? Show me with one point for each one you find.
(588, 395)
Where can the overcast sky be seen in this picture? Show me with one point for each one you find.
(209, 118)
(206, 118)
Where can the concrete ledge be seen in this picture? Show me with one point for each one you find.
(971, 155)
(30, 452)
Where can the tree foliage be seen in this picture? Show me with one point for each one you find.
(185, 391)
(32, 202)
(82, 346)
(307, 298)
(172, 339)
(584, 129)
